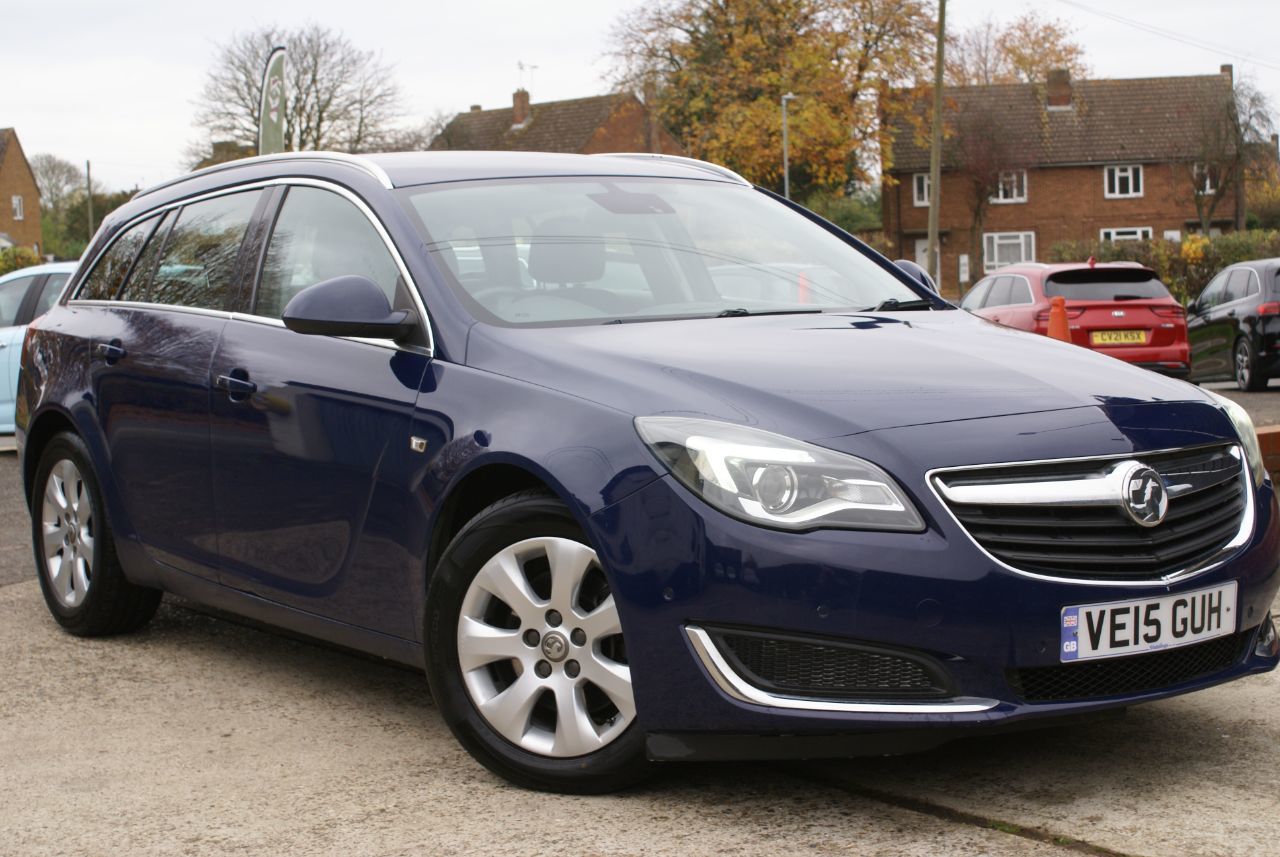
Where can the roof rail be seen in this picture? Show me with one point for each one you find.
(338, 157)
(705, 166)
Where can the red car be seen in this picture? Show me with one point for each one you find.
(1118, 308)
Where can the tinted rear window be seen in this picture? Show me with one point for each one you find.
(1105, 285)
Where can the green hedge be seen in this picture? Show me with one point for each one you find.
(1186, 266)
(13, 258)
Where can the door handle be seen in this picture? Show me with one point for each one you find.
(109, 351)
(1231, 314)
(236, 385)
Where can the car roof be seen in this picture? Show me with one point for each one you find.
(37, 270)
(1045, 270)
(406, 169)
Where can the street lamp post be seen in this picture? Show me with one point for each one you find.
(786, 164)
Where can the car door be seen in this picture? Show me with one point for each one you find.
(1209, 351)
(150, 370)
(310, 435)
(13, 296)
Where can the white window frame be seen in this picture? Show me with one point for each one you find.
(18, 211)
(1125, 233)
(1008, 187)
(1111, 176)
(920, 190)
(1203, 177)
(991, 242)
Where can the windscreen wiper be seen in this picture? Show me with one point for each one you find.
(896, 305)
(733, 311)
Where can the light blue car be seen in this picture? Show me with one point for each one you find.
(24, 294)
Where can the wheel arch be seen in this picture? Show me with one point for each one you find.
(479, 486)
(47, 425)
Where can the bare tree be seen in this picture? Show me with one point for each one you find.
(338, 96)
(57, 179)
(418, 138)
(1022, 51)
(1227, 133)
(982, 151)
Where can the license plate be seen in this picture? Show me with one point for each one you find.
(1147, 624)
(1118, 337)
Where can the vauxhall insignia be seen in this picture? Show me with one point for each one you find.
(1144, 496)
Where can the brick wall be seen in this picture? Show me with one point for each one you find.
(16, 179)
(1063, 204)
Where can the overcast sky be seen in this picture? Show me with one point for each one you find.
(113, 82)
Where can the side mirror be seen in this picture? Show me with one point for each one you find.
(915, 272)
(347, 306)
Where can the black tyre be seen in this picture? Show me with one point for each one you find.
(80, 574)
(1248, 376)
(525, 655)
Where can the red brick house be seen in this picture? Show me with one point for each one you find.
(601, 123)
(19, 196)
(1109, 160)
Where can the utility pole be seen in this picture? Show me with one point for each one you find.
(786, 156)
(88, 188)
(935, 151)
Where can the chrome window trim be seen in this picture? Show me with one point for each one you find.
(261, 184)
(737, 687)
(1241, 538)
(364, 164)
(190, 310)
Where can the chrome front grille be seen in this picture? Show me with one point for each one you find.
(1068, 518)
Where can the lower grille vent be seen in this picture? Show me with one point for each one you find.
(1134, 674)
(822, 667)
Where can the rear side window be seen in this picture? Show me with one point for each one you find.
(1239, 285)
(1019, 292)
(138, 286)
(11, 295)
(49, 293)
(320, 235)
(107, 276)
(1105, 285)
(197, 267)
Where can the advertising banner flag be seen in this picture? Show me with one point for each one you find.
(271, 113)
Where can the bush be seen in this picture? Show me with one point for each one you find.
(1184, 267)
(856, 213)
(13, 258)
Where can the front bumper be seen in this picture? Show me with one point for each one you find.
(679, 566)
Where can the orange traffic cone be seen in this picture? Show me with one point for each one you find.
(1058, 319)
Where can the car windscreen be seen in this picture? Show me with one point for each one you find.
(551, 251)
(1107, 284)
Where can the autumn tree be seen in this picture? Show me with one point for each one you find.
(1227, 134)
(717, 70)
(1022, 51)
(337, 96)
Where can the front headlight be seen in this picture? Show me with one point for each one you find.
(1248, 435)
(768, 479)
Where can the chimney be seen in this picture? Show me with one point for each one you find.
(520, 108)
(1058, 91)
(475, 108)
(1227, 71)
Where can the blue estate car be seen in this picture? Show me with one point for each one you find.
(24, 294)
(641, 462)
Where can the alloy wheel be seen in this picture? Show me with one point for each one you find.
(67, 528)
(1242, 366)
(541, 652)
